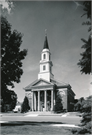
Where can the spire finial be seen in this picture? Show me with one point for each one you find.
(45, 32)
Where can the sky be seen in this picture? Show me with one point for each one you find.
(63, 22)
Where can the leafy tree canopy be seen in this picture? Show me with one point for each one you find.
(85, 61)
(11, 55)
(11, 62)
(10, 98)
(85, 106)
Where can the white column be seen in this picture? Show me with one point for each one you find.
(51, 100)
(35, 100)
(38, 100)
(54, 97)
(45, 99)
(32, 101)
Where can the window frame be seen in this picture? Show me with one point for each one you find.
(44, 67)
(44, 56)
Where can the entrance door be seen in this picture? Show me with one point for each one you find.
(42, 100)
(48, 100)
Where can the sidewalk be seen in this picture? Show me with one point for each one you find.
(36, 117)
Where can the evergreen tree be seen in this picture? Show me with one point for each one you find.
(25, 105)
(85, 61)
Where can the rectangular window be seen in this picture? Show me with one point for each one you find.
(44, 68)
(44, 56)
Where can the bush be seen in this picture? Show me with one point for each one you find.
(86, 117)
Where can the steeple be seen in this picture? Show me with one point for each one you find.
(45, 62)
(46, 46)
(46, 43)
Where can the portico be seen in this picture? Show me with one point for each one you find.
(43, 98)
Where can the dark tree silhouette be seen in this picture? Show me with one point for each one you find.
(11, 57)
(58, 106)
(9, 98)
(86, 109)
(85, 61)
(25, 105)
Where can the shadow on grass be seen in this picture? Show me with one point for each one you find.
(19, 123)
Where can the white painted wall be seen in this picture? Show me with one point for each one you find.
(45, 74)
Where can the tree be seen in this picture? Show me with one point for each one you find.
(25, 105)
(9, 98)
(6, 6)
(11, 57)
(85, 61)
(79, 105)
(86, 124)
(58, 106)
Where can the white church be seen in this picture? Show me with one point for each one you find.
(42, 92)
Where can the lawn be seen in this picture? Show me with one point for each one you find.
(34, 129)
(21, 125)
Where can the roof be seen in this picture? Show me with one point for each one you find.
(52, 82)
(46, 46)
(36, 82)
(62, 85)
(58, 83)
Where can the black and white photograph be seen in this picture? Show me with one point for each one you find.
(46, 84)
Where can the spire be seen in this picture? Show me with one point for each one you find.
(46, 41)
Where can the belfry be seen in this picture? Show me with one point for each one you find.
(42, 92)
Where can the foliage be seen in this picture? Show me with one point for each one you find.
(6, 6)
(11, 55)
(78, 106)
(11, 58)
(25, 105)
(10, 99)
(58, 106)
(85, 108)
(85, 61)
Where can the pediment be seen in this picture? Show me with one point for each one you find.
(41, 83)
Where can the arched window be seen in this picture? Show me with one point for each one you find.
(44, 56)
(44, 67)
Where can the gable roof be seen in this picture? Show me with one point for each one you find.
(43, 82)
(54, 81)
(38, 82)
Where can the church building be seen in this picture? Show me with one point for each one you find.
(42, 92)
